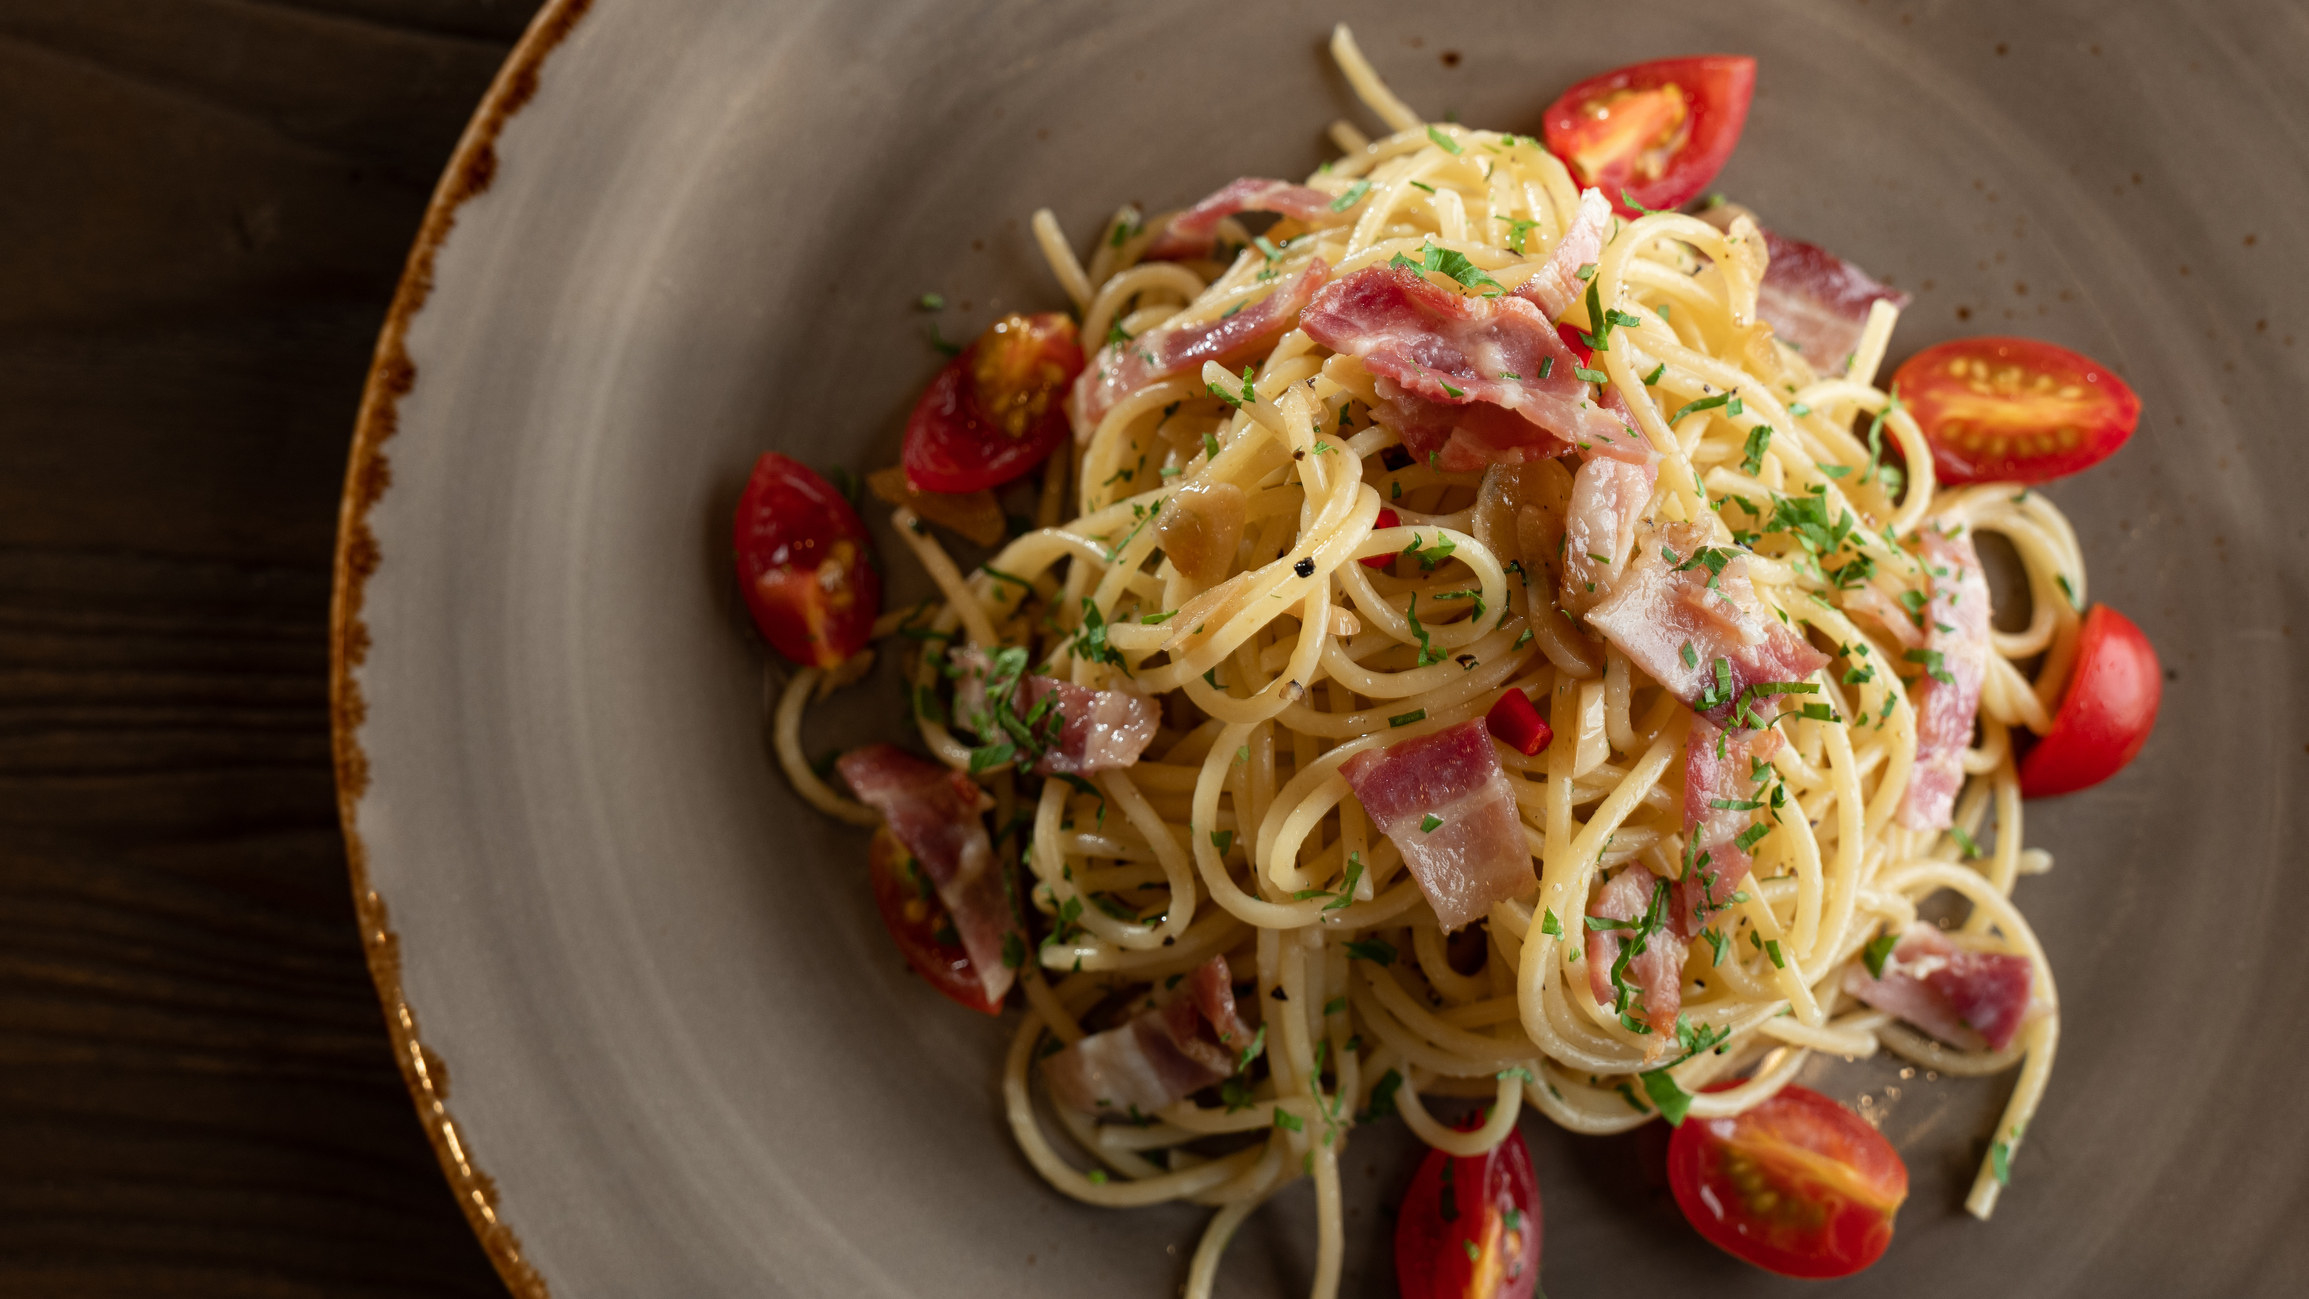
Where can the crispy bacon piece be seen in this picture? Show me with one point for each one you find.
(1099, 730)
(1193, 233)
(1968, 999)
(1445, 802)
(1658, 970)
(1556, 285)
(1121, 369)
(1817, 301)
(1608, 499)
(1719, 767)
(1678, 622)
(1462, 376)
(1187, 1043)
(935, 812)
(1814, 300)
(1885, 612)
(1955, 659)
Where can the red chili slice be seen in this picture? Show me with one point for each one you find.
(1387, 519)
(804, 564)
(997, 410)
(2014, 409)
(1655, 132)
(1518, 724)
(2107, 713)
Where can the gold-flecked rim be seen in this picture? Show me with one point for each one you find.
(392, 374)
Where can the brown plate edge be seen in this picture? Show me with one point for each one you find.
(392, 375)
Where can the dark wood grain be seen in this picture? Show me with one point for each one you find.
(206, 208)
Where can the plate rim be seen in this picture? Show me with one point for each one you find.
(392, 375)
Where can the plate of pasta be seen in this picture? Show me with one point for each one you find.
(1494, 706)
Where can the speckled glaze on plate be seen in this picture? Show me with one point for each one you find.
(684, 231)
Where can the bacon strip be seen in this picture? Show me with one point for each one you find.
(1658, 970)
(1719, 767)
(1608, 499)
(1444, 360)
(1817, 301)
(1656, 613)
(1101, 730)
(1120, 369)
(1556, 285)
(935, 813)
(1444, 800)
(1163, 1055)
(1193, 233)
(1968, 999)
(1956, 635)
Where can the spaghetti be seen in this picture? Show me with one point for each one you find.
(1236, 833)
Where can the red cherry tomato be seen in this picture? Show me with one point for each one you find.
(804, 565)
(1797, 1185)
(2107, 713)
(920, 923)
(2014, 409)
(997, 410)
(1470, 1228)
(1658, 131)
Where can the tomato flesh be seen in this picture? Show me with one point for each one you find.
(804, 564)
(2014, 409)
(1655, 132)
(2106, 714)
(1798, 1185)
(1470, 1228)
(920, 924)
(997, 410)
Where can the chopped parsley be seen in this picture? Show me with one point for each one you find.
(1878, 950)
(1549, 925)
(1382, 1097)
(1405, 719)
(1671, 1101)
(1354, 195)
(1222, 840)
(1378, 951)
(1700, 404)
(1249, 394)
(1445, 261)
(1429, 823)
(1752, 454)
(1444, 142)
(1428, 654)
(1935, 664)
(1518, 229)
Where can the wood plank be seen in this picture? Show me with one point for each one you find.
(196, 1092)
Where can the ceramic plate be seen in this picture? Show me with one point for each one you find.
(650, 986)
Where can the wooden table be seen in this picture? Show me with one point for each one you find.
(206, 207)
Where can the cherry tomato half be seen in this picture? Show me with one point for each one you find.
(1470, 1228)
(1659, 131)
(920, 923)
(997, 410)
(804, 565)
(1797, 1185)
(2107, 713)
(2014, 409)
